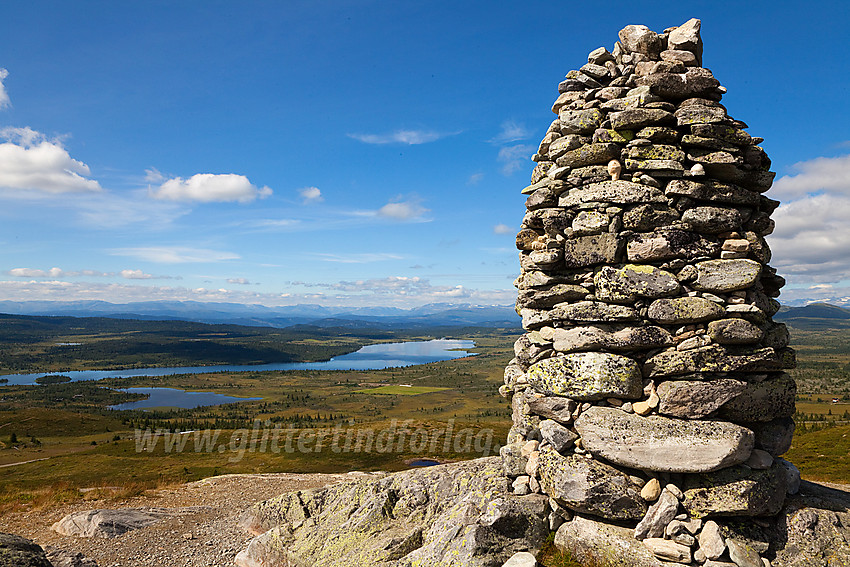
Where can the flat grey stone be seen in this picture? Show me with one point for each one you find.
(713, 220)
(715, 358)
(577, 339)
(587, 540)
(588, 376)
(620, 192)
(684, 310)
(589, 486)
(589, 154)
(691, 399)
(662, 444)
(521, 559)
(640, 39)
(556, 408)
(635, 118)
(595, 312)
(734, 332)
(712, 191)
(722, 276)
(626, 284)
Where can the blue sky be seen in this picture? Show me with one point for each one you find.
(357, 152)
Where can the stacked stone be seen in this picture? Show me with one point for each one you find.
(649, 384)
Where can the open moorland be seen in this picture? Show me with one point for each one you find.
(57, 438)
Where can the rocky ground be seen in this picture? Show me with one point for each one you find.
(203, 532)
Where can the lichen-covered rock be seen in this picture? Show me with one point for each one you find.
(595, 312)
(16, 551)
(735, 332)
(591, 250)
(448, 515)
(623, 339)
(624, 285)
(683, 310)
(590, 487)
(721, 276)
(715, 358)
(588, 376)
(763, 401)
(736, 491)
(662, 444)
(669, 244)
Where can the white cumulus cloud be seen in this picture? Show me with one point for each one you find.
(30, 162)
(209, 188)
(135, 275)
(811, 243)
(502, 229)
(311, 195)
(402, 210)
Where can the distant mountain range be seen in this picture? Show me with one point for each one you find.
(431, 315)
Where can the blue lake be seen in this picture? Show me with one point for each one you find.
(176, 398)
(370, 357)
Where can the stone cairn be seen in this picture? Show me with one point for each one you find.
(648, 389)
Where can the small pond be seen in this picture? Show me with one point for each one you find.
(176, 398)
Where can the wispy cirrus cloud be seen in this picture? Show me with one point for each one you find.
(513, 158)
(511, 131)
(56, 273)
(175, 254)
(360, 258)
(408, 137)
(29, 162)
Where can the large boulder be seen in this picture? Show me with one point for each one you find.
(662, 444)
(448, 515)
(108, 523)
(16, 551)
